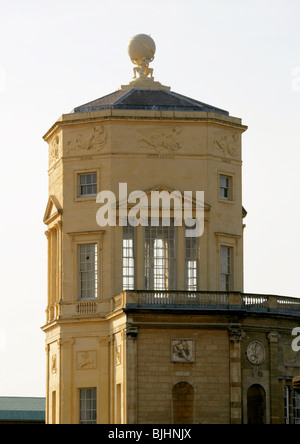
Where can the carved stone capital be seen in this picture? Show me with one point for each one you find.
(132, 332)
(65, 342)
(236, 334)
(273, 337)
(103, 340)
(58, 225)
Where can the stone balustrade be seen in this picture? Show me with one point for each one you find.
(197, 300)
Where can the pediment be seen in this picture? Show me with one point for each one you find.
(161, 188)
(53, 210)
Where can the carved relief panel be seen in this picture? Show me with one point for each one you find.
(226, 144)
(86, 140)
(161, 140)
(55, 149)
(53, 364)
(119, 355)
(87, 360)
(183, 351)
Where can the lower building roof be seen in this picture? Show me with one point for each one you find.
(22, 409)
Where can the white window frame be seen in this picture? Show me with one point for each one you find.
(191, 262)
(226, 269)
(77, 195)
(225, 190)
(88, 267)
(160, 257)
(94, 184)
(88, 405)
(296, 407)
(84, 238)
(129, 257)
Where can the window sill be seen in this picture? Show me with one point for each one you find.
(91, 198)
(226, 201)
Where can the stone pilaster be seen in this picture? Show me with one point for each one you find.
(236, 336)
(273, 338)
(66, 380)
(131, 363)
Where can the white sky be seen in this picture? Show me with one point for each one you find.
(243, 56)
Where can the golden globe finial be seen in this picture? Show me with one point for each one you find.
(141, 50)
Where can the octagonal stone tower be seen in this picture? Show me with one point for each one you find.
(138, 318)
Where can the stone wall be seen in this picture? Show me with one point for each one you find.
(207, 372)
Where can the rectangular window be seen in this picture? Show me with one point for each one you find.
(87, 185)
(160, 257)
(128, 257)
(296, 407)
(88, 406)
(226, 268)
(88, 266)
(225, 187)
(191, 262)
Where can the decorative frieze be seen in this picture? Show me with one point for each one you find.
(88, 139)
(227, 144)
(167, 139)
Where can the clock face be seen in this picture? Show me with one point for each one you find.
(256, 353)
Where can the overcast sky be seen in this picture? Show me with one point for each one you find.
(242, 56)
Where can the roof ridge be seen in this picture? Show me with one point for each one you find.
(127, 93)
(100, 98)
(193, 101)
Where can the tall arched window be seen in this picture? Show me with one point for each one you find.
(183, 403)
(256, 404)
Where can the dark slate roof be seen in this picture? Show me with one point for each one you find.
(147, 99)
(22, 409)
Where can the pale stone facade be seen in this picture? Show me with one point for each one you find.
(154, 355)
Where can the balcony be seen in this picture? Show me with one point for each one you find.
(175, 300)
(201, 300)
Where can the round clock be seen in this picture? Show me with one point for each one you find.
(256, 353)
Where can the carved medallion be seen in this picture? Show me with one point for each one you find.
(256, 353)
